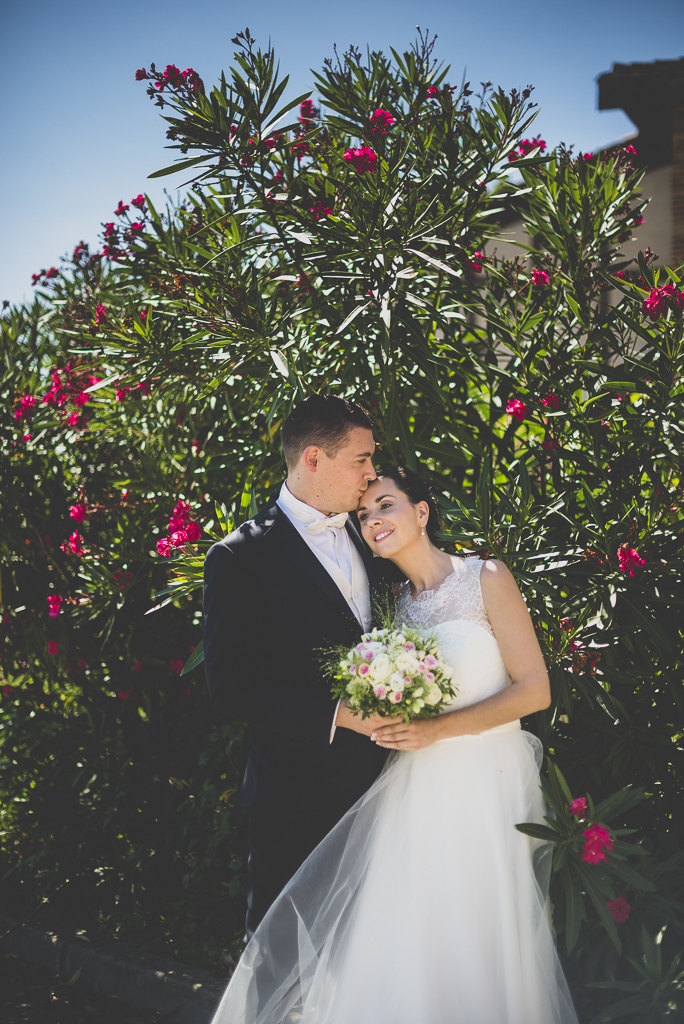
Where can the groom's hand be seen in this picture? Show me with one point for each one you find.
(346, 720)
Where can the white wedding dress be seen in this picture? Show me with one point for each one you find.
(422, 905)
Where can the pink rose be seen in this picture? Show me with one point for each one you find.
(430, 677)
(352, 670)
(430, 661)
(364, 670)
(380, 691)
(395, 697)
(421, 667)
(409, 646)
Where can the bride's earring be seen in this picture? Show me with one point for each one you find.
(422, 533)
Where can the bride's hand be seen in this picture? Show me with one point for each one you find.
(400, 736)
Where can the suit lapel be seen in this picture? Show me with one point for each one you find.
(298, 551)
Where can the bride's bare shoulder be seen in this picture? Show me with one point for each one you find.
(497, 581)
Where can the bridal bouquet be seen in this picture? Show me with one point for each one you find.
(393, 671)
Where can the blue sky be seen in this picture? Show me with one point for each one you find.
(79, 133)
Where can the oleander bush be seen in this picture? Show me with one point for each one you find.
(354, 248)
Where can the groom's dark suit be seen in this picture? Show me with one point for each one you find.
(269, 609)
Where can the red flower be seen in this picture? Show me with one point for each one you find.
(126, 694)
(381, 121)
(176, 666)
(54, 601)
(52, 272)
(77, 512)
(74, 419)
(143, 314)
(187, 693)
(540, 278)
(145, 387)
(517, 409)
(631, 150)
(552, 402)
(81, 398)
(164, 547)
(179, 539)
(656, 303)
(121, 208)
(578, 807)
(81, 666)
(433, 92)
(182, 510)
(526, 146)
(73, 544)
(307, 111)
(53, 647)
(619, 908)
(475, 262)
(587, 156)
(139, 201)
(193, 531)
(630, 559)
(100, 313)
(320, 209)
(363, 159)
(140, 74)
(596, 840)
(550, 444)
(120, 393)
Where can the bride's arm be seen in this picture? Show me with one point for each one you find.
(522, 656)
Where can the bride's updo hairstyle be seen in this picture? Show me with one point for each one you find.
(416, 490)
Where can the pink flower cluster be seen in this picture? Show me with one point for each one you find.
(630, 559)
(73, 544)
(144, 387)
(540, 278)
(578, 807)
(54, 601)
(25, 408)
(659, 300)
(182, 530)
(53, 647)
(619, 909)
(516, 409)
(525, 147)
(44, 276)
(173, 77)
(363, 159)
(176, 665)
(319, 209)
(433, 92)
(475, 262)
(551, 402)
(597, 840)
(381, 121)
(307, 111)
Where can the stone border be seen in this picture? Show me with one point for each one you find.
(141, 980)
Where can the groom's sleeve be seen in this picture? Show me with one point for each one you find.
(244, 679)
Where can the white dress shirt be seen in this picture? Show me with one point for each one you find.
(337, 553)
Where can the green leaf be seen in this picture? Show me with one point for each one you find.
(573, 909)
(195, 659)
(648, 623)
(182, 165)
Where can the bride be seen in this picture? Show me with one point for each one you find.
(422, 905)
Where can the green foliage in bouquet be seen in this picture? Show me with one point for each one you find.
(357, 248)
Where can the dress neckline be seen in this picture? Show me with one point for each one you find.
(434, 590)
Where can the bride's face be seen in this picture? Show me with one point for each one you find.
(389, 522)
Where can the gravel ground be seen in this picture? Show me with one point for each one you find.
(30, 995)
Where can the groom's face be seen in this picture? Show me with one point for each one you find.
(342, 480)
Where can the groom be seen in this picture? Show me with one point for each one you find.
(287, 584)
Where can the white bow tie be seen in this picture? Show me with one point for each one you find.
(336, 522)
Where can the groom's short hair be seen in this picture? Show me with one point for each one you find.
(323, 420)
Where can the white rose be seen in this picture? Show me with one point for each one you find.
(400, 638)
(406, 664)
(434, 695)
(447, 671)
(396, 682)
(380, 668)
(420, 655)
(418, 692)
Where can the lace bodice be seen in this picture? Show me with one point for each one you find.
(455, 615)
(458, 597)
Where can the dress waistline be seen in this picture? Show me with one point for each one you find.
(513, 726)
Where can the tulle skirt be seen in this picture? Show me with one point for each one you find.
(424, 905)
